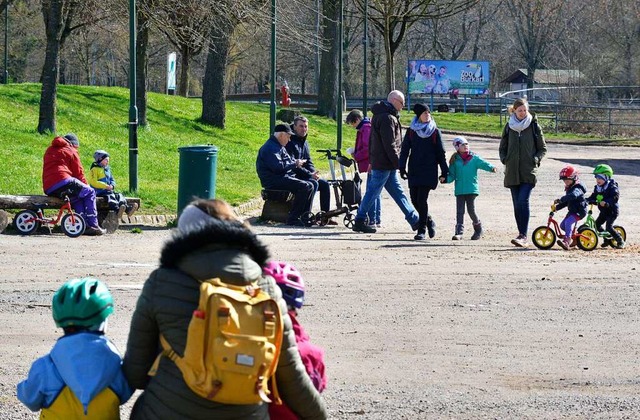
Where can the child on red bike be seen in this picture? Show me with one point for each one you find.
(290, 281)
(605, 195)
(574, 201)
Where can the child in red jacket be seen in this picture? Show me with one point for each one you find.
(290, 281)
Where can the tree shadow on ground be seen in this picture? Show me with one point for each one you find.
(620, 166)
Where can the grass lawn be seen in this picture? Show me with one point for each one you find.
(99, 115)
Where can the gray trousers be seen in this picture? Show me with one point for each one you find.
(467, 200)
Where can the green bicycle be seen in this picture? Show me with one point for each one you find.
(590, 223)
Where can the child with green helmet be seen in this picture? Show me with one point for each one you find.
(605, 195)
(82, 375)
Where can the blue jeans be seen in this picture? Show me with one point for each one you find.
(322, 186)
(520, 196)
(389, 181)
(376, 207)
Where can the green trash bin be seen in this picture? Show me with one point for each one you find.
(197, 174)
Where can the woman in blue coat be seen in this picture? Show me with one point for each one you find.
(422, 148)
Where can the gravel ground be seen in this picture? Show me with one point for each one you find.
(412, 330)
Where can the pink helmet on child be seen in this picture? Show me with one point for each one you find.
(290, 281)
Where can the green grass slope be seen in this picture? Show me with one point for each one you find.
(99, 115)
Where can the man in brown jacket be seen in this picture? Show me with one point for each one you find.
(384, 153)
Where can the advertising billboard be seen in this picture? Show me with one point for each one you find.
(441, 77)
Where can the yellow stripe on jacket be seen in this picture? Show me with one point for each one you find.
(105, 406)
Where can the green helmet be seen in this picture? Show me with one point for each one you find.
(82, 302)
(603, 169)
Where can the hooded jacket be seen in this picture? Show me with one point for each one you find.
(521, 153)
(233, 253)
(81, 375)
(61, 161)
(574, 200)
(361, 148)
(100, 178)
(386, 137)
(610, 195)
(274, 163)
(466, 174)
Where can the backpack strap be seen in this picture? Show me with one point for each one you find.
(166, 351)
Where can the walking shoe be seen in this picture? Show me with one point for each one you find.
(94, 231)
(458, 233)
(419, 236)
(362, 226)
(520, 241)
(618, 245)
(606, 243)
(563, 244)
(431, 227)
(477, 231)
(132, 208)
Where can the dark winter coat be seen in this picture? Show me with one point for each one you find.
(424, 156)
(169, 296)
(298, 148)
(574, 200)
(610, 196)
(274, 163)
(385, 138)
(521, 153)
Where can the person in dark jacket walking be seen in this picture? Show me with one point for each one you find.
(298, 148)
(384, 153)
(277, 171)
(210, 242)
(522, 148)
(422, 148)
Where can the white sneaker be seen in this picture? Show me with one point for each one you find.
(520, 241)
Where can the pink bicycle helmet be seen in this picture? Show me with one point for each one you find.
(290, 281)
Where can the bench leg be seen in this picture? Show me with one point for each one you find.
(4, 220)
(276, 211)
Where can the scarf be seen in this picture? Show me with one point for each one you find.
(603, 187)
(466, 157)
(423, 130)
(516, 125)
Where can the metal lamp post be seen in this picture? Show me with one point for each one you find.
(365, 45)
(340, 56)
(6, 43)
(272, 107)
(133, 110)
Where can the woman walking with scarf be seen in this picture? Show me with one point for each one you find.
(521, 149)
(422, 147)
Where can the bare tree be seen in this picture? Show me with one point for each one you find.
(536, 24)
(328, 89)
(392, 19)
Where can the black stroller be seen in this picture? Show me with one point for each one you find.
(347, 192)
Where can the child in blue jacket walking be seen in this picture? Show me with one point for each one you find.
(463, 170)
(82, 375)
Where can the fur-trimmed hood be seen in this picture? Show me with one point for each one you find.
(217, 248)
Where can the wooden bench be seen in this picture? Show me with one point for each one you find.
(277, 204)
(107, 220)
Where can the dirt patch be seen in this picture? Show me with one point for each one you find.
(432, 329)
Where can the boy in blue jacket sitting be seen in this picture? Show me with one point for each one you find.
(101, 180)
(82, 375)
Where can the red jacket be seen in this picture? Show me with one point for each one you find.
(313, 358)
(61, 161)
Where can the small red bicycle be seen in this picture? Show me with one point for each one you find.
(544, 237)
(72, 224)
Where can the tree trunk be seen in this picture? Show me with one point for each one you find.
(183, 86)
(52, 12)
(213, 94)
(390, 76)
(328, 89)
(142, 67)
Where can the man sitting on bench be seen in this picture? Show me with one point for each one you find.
(276, 170)
(62, 174)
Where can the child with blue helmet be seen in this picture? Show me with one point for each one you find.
(606, 195)
(82, 375)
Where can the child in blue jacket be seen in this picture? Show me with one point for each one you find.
(574, 201)
(101, 180)
(463, 169)
(606, 195)
(82, 375)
